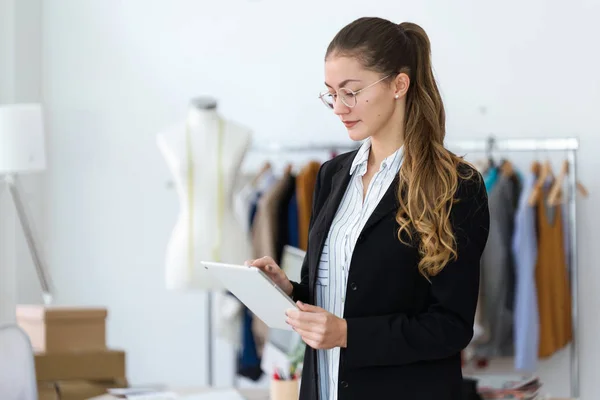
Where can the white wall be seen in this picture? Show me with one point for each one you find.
(20, 81)
(117, 72)
(8, 280)
(7, 34)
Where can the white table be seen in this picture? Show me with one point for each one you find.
(248, 394)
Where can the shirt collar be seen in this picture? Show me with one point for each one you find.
(362, 157)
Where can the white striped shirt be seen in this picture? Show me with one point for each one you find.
(346, 226)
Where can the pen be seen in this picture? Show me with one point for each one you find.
(282, 375)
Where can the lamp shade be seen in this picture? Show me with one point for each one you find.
(22, 145)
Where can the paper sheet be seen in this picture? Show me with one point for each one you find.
(227, 394)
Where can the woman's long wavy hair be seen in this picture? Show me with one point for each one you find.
(429, 175)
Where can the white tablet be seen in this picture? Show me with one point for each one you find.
(256, 290)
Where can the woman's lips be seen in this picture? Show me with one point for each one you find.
(350, 124)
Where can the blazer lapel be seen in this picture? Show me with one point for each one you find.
(388, 203)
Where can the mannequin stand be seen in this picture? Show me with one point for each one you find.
(209, 332)
(220, 145)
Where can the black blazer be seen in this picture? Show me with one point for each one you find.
(405, 334)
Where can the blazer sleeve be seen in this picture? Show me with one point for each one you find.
(446, 327)
(300, 291)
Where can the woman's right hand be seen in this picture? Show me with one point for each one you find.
(273, 271)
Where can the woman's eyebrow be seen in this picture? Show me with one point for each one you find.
(344, 83)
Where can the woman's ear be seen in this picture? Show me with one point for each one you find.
(401, 85)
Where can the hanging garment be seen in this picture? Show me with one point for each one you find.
(265, 228)
(253, 211)
(242, 200)
(552, 280)
(248, 359)
(496, 267)
(249, 356)
(283, 224)
(490, 178)
(260, 332)
(293, 233)
(245, 200)
(525, 249)
(516, 179)
(305, 186)
(232, 312)
(266, 235)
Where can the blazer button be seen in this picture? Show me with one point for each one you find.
(361, 237)
(353, 286)
(344, 384)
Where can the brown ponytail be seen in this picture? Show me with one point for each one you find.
(429, 174)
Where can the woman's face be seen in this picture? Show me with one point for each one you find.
(373, 107)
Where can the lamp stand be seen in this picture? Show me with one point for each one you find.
(42, 271)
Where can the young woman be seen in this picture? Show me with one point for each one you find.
(390, 281)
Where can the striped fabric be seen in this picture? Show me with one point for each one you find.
(347, 224)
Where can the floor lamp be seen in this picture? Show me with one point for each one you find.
(22, 151)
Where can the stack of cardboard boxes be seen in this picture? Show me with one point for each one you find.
(72, 361)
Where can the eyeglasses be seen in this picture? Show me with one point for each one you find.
(347, 96)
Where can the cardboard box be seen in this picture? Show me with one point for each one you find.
(106, 365)
(58, 329)
(82, 390)
(47, 391)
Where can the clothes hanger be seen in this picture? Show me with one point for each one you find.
(536, 168)
(486, 163)
(555, 192)
(555, 196)
(482, 165)
(490, 147)
(266, 167)
(582, 189)
(507, 169)
(545, 171)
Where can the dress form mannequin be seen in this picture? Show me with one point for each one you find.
(204, 154)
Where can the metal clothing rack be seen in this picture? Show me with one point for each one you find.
(570, 145)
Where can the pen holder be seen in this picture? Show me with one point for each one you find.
(284, 389)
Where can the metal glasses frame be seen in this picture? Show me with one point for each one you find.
(347, 91)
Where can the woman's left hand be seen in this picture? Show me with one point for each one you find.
(319, 329)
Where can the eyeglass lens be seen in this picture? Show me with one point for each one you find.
(346, 95)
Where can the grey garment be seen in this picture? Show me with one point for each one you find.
(497, 273)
